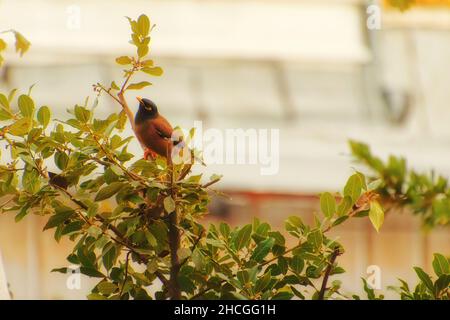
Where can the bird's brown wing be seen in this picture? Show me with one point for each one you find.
(163, 127)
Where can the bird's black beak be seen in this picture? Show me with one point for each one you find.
(139, 99)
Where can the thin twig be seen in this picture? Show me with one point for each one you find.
(126, 273)
(206, 185)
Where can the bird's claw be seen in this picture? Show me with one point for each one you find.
(149, 154)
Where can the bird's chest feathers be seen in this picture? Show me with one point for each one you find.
(149, 136)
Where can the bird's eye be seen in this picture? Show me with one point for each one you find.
(149, 108)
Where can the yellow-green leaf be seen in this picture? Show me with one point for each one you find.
(82, 114)
(5, 111)
(147, 63)
(328, 204)
(26, 106)
(108, 191)
(315, 238)
(144, 25)
(376, 215)
(169, 204)
(142, 50)
(353, 187)
(114, 86)
(139, 85)
(3, 45)
(155, 71)
(43, 116)
(440, 265)
(20, 127)
(123, 60)
(107, 287)
(22, 44)
(344, 206)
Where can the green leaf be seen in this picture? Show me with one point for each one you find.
(375, 184)
(26, 106)
(263, 282)
(169, 204)
(152, 241)
(440, 264)
(82, 114)
(43, 116)
(59, 218)
(369, 291)
(107, 288)
(376, 215)
(243, 237)
(344, 206)
(4, 101)
(72, 227)
(114, 86)
(362, 177)
(339, 220)
(214, 243)
(154, 71)
(442, 283)
(315, 238)
(139, 85)
(123, 60)
(425, 278)
(109, 256)
(224, 229)
(282, 295)
(91, 272)
(297, 293)
(20, 127)
(94, 231)
(5, 110)
(11, 95)
(61, 160)
(96, 296)
(60, 270)
(109, 191)
(353, 187)
(297, 264)
(328, 204)
(262, 249)
(294, 224)
(22, 213)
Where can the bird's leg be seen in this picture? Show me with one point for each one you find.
(149, 154)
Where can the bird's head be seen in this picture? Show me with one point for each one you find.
(147, 107)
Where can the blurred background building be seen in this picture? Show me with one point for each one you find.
(310, 68)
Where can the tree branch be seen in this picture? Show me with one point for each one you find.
(327, 273)
(174, 234)
(123, 101)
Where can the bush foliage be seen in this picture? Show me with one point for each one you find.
(154, 232)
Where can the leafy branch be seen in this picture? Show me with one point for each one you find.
(425, 194)
(69, 171)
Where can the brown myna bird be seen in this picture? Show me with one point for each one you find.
(153, 130)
